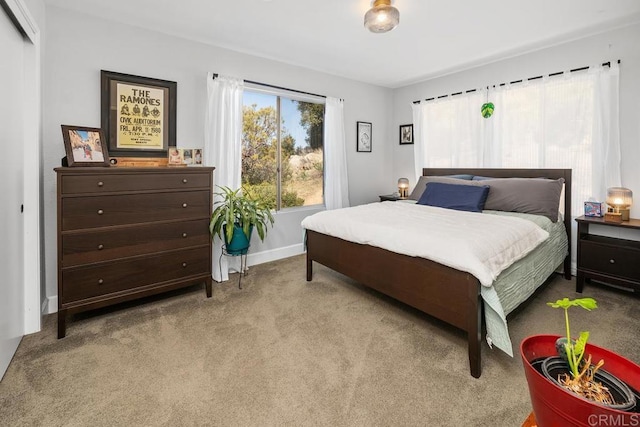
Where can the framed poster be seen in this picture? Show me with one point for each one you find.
(406, 134)
(138, 114)
(363, 134)
(84, 146)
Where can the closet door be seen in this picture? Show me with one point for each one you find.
(12, 110)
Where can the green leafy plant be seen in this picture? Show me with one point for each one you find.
(581, 380)
(238, 207)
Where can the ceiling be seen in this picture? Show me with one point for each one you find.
(434, 37)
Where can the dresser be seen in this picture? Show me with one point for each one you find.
(128, 232)
(607, 259)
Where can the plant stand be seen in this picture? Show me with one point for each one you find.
(243, 262)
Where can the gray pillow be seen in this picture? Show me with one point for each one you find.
(536, 196)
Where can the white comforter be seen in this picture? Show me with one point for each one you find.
(480, 244)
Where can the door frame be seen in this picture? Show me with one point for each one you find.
(32, 131)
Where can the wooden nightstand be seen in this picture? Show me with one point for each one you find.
(391, 198)
(607, 259)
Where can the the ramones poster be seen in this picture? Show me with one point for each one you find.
(140, 115)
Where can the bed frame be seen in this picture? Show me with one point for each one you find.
(445, 293)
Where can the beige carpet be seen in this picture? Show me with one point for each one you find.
(286, 352)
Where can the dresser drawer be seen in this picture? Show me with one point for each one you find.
(99, 211)
(103, 245)
(618, 261)
(85, 282)
(105, 183)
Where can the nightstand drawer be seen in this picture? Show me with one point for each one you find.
(607, 259)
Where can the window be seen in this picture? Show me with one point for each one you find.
(282, 148)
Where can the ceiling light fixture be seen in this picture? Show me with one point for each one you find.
(382, 17)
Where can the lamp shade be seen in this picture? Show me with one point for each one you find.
(403, 187)
(619, 197)
(382, 17)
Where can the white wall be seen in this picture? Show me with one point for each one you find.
(79, 46)
(619, 44)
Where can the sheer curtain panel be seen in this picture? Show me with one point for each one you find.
(223, 150)
(336, 180)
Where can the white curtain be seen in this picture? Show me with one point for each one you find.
(223, 150)
(449, 132)
(336, 181)
(565, 121)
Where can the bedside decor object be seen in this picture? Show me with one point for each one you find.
(406, 134)
(382, 17)
(138, 114)
(620, 199)
(84, 146)
(363, 134)
(593, 209)
(403, 188)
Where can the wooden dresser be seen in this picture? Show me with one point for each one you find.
(129, 232)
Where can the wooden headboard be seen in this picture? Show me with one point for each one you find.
(523, 173)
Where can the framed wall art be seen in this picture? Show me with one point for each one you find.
(84, 146)
(406, 134)
(364, 136)
(138, 114)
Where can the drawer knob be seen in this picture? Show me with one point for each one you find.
(184, 265)
(184, 205)
(184, 181)
(100, 183)
(184, 234)
(100, 211)
(612, 261)
(100, 247)
(100, 281)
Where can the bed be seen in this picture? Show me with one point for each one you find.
(446, 293)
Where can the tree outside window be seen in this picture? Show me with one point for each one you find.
(282, 150)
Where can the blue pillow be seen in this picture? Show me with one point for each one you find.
(451, 196)
(461, 176)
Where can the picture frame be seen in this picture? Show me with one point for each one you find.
(364, 136)
(594, 209)
(84, 146)
(185, 156)
(406, 134)
(138, 114)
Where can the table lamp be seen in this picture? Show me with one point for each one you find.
(403, 187)
(620, 199)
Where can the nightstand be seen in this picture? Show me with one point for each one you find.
(391, 198)
(608, 259)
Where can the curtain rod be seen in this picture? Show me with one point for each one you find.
(604, 64)
(280, 87)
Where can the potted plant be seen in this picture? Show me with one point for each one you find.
(564, 395)
(245, 213)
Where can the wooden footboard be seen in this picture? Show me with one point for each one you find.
(450, 295)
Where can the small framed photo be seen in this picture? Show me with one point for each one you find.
(85, 146)
(364, 137)
(185, 156)
(593, 209)
(406, 134)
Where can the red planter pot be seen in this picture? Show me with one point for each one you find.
(554, 406)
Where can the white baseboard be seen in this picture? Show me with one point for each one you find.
(274, 254)
(50, 305)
